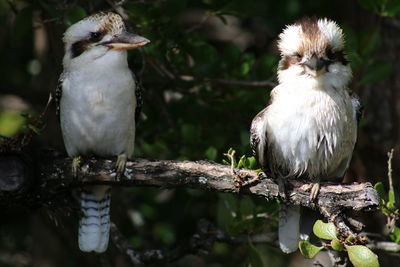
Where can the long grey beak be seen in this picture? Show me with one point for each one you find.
(125, 41)
(315, 63)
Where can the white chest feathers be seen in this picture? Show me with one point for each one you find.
(97, 110)
(310, 131)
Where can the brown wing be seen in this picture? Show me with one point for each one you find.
(258, 141)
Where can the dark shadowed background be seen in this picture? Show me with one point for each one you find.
(206, 73)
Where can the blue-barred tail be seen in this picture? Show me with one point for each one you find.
(94, 225)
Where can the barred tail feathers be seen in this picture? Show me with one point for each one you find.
(289, 227)
(94, 225)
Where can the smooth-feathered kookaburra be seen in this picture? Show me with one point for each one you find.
(98, 106)
(309, 128)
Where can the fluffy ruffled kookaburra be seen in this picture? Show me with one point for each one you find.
(98, 107)
(309, 128)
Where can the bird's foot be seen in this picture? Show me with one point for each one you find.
(282, 189)
(314, 191)
(244, 178)
(76, 164)
(120, 165)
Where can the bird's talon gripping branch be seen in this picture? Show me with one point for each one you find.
(282, 189)
(314, 191)
(242, 179)
(120, 165)
(76, 163)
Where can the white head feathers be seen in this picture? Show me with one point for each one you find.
(310, 33)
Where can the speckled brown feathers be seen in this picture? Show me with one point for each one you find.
(110, 22)
(313, 40)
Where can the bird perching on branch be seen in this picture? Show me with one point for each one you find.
(98, 108)
(309, 128)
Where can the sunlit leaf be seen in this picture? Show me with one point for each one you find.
(392, 196)
(324, 230)
(395, 236)
(10, 123)
(241, 161)
(252, 163)
(308, 250)
(336, 245)
(361, 256)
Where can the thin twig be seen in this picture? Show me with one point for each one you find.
(265, 83)
(390, 169)
(231, 157)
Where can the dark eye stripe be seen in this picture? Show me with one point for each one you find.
(78, 48)
(337, 56)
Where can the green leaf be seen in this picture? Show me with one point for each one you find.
(10, 122)
(336, 245)
(377, 71)
(308, 250)
(75, 15)
(211, 153)
(251, 163)
(361, 256)
(324, 230)
(392, 197)
(255, 256)
(241, 161)
(380, 188)
(392, 8)
(395, 236)
(245, 68)
(164, 232)
(225, 162)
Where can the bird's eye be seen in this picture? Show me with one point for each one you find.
(95, 36)
(330, 54)
(298, 56)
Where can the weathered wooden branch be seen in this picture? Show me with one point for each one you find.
(53, 176)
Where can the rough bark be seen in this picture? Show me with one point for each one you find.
(54, 178)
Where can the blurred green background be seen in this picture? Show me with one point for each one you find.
(206, 73)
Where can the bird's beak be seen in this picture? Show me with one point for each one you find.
(315, 64)
(124, 41)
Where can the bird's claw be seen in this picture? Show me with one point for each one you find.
(120, 165)
(76, 163)
(314, 191)
(282, 189)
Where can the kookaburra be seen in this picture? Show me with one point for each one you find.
(98, 107)
(309, 128)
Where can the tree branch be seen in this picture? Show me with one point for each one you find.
(54, 177)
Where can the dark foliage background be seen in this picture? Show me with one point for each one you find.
(207, 71)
